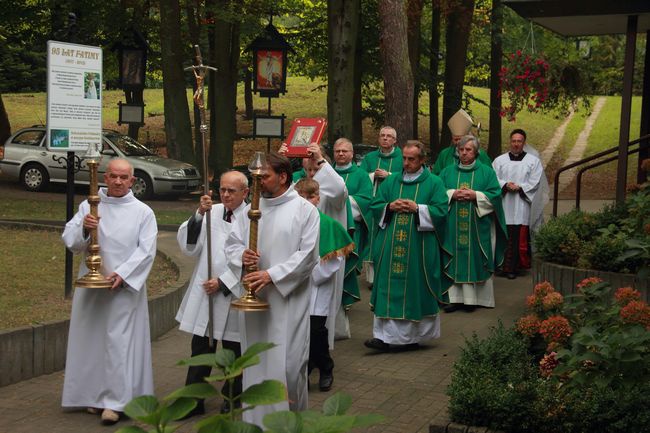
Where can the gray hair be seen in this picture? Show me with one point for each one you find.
(390, 128)
(417, 144)
(469, 138)
(343, 140)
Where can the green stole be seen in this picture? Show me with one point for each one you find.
(334, 239)
(297, 175)
(358, 185)
(448, 157)
(407, 261)
(468, 247)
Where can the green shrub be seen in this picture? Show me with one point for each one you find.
(493, 383)
(557, 242)
(603, 252)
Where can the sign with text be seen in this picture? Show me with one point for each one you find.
(74, 96)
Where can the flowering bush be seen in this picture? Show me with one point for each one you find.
(588, 282)
(552, 301)
(555, 329)
(533, 84)
(528, 325)
(548, 364)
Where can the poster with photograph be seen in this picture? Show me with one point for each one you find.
(74, 96)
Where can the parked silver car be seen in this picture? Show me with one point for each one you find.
(25, 157)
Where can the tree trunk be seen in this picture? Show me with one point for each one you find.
(193, 14)
(459, 22)
(342, 30)
(396, 68)
(496, 60)
(5, 126)
(414, 13)
(357, 118)
(177, 118)
(223, 94)
(434, 61)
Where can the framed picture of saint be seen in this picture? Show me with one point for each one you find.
(269, 72)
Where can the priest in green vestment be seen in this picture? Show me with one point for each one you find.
(410, 210)
(359, 217)
(459, 124)
(379, 164)
(475, 236)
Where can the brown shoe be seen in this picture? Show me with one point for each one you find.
(110, 417)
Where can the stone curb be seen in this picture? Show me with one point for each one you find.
(31, 351)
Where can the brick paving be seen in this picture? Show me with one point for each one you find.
(408, 388)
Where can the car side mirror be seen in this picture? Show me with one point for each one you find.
(109, 152)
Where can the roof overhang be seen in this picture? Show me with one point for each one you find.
(584, 17)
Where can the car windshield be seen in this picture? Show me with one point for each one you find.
(128, 146)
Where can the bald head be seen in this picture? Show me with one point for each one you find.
(119, 163)
(233, 189)
(118, 177)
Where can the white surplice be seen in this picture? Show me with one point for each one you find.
(288, 237)
(108, 361)
(193, 312)
(541, 197)
(333, 203)
(525, 173)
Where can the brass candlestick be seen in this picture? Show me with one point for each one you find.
(248, 301)
(93, 279)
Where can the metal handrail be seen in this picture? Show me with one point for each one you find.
(589, 167)
(556, 179)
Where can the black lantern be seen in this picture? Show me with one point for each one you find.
(132, 58)
(270, 62)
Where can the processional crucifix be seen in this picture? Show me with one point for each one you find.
(199, 70)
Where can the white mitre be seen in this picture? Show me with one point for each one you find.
(460, 123)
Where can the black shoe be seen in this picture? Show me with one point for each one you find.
(511, 276)
(451, 308)
(377, 344)
(198, 410)
(469, 308)
(406, 347)
(325, 381)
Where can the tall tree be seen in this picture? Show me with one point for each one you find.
(224, 35)
(396, 68)
(414, 16)
(459, 21)
(342, 30)
(177, 118)
(434, 61)
(496, 54)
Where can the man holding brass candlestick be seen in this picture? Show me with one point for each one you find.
(193, 312)
(287, 252)
(108, 361)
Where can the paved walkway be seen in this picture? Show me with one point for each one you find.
(408, 388)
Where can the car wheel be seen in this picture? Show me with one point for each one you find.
(142, 186)
(34, 177)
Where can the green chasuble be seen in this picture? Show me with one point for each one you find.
(407, 261)
(449, 157)
(359, 186)
(467, 249)
(372, 161)
(297, 175)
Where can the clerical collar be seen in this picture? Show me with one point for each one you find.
(514, 157)
(286, 196)
(466, 166)
(410, 177)
(381, 151)
(344, 167)
(105, 198)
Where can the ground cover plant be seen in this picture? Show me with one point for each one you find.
(32, 277)
(574, 364)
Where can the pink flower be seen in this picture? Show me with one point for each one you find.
(528, 325)
(624, 295)
(555, 329)
(636, 312)
(548, 364)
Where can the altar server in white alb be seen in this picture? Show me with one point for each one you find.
(519, 174)
(108, 360)
(193, 312)
(287, 252)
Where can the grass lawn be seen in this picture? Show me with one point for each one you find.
(27, 209)
(32, 277)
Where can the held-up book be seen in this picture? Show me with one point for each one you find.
(304, 131)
